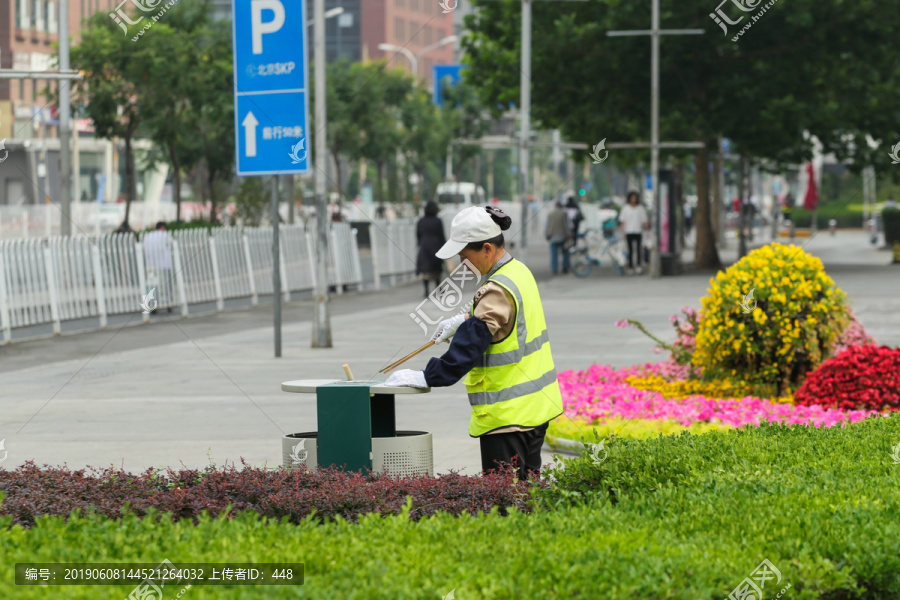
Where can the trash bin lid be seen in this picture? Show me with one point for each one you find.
(309, 386)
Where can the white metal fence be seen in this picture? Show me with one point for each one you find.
(66, 278)
(394, 249)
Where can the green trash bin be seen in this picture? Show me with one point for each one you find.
(357, 430)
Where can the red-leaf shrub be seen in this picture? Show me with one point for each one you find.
(861, 377)
(32, 492)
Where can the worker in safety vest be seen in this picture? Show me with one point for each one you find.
(501, 345)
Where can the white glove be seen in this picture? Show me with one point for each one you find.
(407, 378)
(447, 328)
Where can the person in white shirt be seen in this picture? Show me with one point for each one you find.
(633, 218)
(158, 259)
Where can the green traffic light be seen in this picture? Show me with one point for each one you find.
(581, 192)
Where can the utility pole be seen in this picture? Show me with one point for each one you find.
(524, 140)
(525, 121)
(321, 331)
(65, 158)
(654, 32)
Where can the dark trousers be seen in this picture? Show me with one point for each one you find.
(633, 243)
(500, 448)
(555, 249)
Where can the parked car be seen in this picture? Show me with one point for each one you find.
(107, 217)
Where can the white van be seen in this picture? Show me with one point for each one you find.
(457, 196)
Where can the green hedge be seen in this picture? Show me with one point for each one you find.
(677, 517)
(847, 217)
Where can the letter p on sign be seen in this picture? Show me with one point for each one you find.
(258, 28)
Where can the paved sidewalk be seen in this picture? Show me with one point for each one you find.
(184, 392)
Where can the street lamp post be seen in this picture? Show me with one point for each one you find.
(414, 58)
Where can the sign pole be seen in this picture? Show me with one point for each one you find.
(276, 269)
(321, 336)
(271, 106)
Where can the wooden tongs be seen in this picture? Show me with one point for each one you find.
(407, 357)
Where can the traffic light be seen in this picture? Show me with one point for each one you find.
(581, 192)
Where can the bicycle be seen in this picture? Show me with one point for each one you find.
(585, 256)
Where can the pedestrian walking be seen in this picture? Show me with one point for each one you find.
(574, 216)
(688, 217)
(158, 258)
(501, 346)
(557, 233)
(633, 218)
(430, 236)
(788, 206)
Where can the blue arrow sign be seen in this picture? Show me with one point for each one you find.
(271, 100)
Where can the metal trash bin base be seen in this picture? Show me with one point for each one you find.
(407, 455)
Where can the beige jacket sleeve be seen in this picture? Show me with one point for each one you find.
(496, 308)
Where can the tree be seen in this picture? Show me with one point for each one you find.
(108, 92)
(465, 115)
(168, 54)
(212, 103)
(425, 136)
(381, 127)
(348, 105)
(763, 91)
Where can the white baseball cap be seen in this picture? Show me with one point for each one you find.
(473, 224)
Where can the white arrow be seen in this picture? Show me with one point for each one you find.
(250, 124)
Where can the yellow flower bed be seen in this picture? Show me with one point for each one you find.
(779, 333)
(723, 389)
(563, 428)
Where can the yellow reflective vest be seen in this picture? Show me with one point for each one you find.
(515, 384)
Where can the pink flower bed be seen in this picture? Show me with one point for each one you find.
(601, 391)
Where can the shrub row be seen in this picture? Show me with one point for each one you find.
(31, 492)
(677, 517)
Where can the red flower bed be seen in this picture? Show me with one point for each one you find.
(32, 492)
(860, 377)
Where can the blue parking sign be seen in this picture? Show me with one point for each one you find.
(271, 100)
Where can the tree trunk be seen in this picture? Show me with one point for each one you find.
(340, 183)
(210, 182)
(380, 183)
(716, 203)
(742, 193)
(705, 256)
(130, 188)
(678, 195)
(176, 175)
